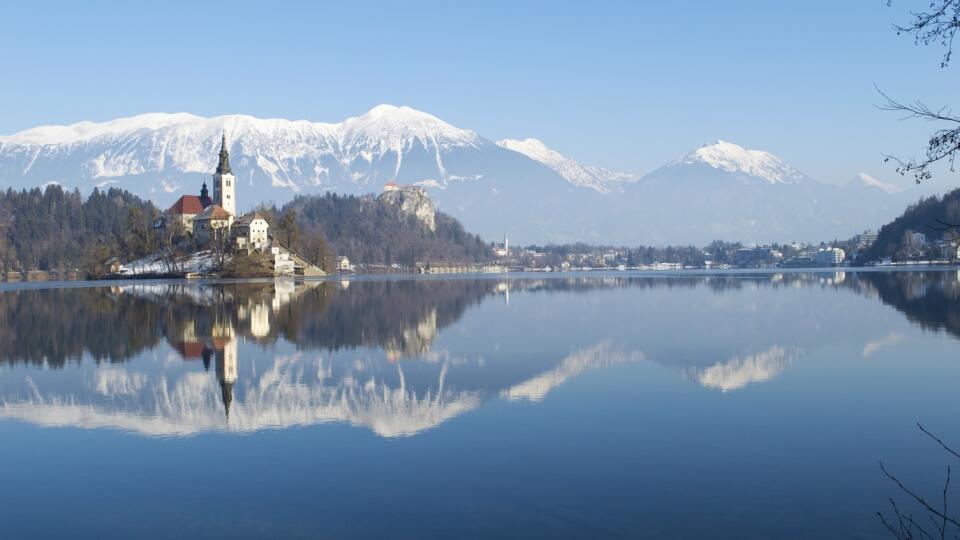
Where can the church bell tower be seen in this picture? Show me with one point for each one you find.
(224, 183)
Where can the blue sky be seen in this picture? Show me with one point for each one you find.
(626, 85)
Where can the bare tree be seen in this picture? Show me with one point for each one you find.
(940, 522)
(936, 26)
(219, 242)
(175, 245)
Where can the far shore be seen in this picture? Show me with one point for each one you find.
(511, 275)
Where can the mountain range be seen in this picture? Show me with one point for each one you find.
(518, 187)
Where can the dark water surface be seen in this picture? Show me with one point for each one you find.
(693, 406)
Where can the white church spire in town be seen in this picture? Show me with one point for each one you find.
(224, 183)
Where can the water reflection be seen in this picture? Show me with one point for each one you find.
(740, 371)
(385, 354)
(596, 357)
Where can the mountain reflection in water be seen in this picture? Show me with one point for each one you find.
(400, 357)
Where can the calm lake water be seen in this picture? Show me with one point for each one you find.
(692, 406)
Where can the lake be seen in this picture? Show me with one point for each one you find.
(737, 405)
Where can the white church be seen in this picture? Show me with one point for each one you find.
(210, 218)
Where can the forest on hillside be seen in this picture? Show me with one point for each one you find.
(938, 218)
(53, 229)
(368, 230)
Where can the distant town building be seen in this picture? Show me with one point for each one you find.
(830, 256)
(758, 257)
(343, 264)
(502, 250)
(864, 240)
(918, 239)
(802, 261)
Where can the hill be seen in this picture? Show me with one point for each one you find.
(927, 216)
(400, 227)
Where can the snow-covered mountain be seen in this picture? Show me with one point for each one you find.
(287, 154)
(736, 161)
(722, 190)
(598, 178)
(521, 187)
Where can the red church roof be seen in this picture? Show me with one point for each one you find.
(188, 204)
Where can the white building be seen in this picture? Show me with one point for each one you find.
(830, 256)
(502, 250)
(251, 230)
(212, 223)
(865, 239)
(283, 263)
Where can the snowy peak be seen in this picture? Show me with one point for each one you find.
(388, 127)
(864, 179)
(736, 159)
(598, 178)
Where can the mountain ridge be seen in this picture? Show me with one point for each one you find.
(717, 191)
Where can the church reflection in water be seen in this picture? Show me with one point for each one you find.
(403, 356)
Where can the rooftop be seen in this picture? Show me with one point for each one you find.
(187, 204)
(249, 217)
(214, 211)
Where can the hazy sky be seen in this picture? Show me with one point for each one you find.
(626, 85)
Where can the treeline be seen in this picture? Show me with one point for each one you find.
(717, 251)
(367, 230)
(52, 229)
(932, 216)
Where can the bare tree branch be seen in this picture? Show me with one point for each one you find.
(919, 498)
(905, 525)
(939, 25)
(941, 226)
(941, 443)
(944, 144)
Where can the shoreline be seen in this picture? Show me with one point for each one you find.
(511, 276)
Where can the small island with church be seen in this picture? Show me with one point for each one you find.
(204, 236)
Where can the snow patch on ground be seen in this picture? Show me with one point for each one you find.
(200, 262)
